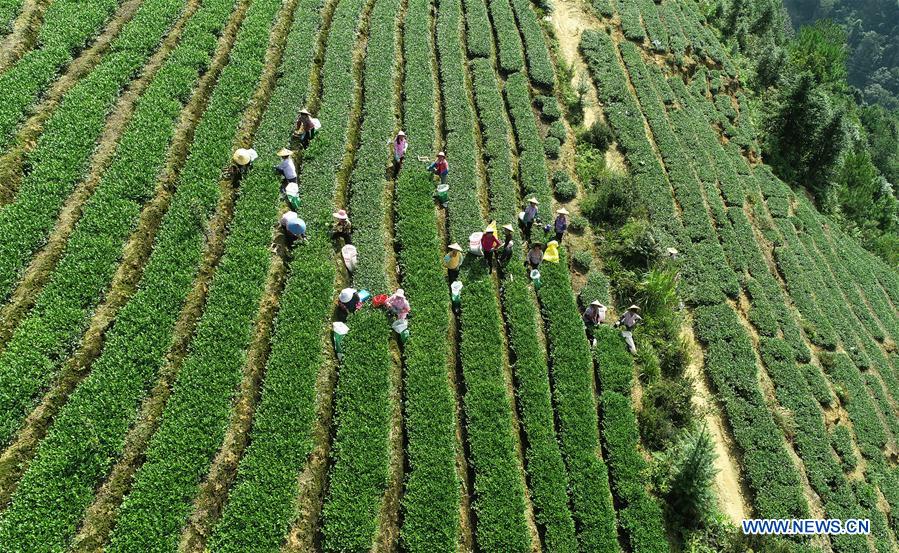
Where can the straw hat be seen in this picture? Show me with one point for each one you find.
(672, 251)
(284, 152)
(456, 247)
(509, 227)
(596, 303)
(533, 201)
(562, 211)
(634, 307)
(441, 154)
(401, 133)
(341, 214)
(491, 227)
(241, 156)
(346, 295)
(305, 111)
(400, 292)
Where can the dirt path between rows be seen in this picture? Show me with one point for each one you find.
(729, 488)
(569, 21)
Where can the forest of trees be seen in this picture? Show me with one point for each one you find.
(828, 120)
(872, 36)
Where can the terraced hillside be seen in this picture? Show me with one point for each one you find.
(168, 379)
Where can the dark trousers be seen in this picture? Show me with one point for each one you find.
(453, 275)
(527, 230)
(341, 234)
(488, 257)
(559, 236)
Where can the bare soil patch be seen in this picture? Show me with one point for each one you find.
(729, 487)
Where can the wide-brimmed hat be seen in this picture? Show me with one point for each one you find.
(672, 251)
(341, 214)
(305, 111)
(596, 302)
(562, 211)
(509, 227)
(285, 152)
(441, 154)
(491, 227)
(533, 201)
(400, 292)
(456, 247)
(401, 133)
(241, 156)
(634, 307)
(346, 295)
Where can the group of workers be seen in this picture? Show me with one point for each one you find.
(595, 315)
(351, 300)
(496, 252)
(487, 244)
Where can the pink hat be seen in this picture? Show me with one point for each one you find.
(341, 214)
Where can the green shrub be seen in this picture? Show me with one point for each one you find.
(549, 107)
(666, 409)
(599, 135)
(577, 224)
(589, 165)
(612, 203)
(107, 401)
(557, 130)
(689, 490)
(841, 441)
(566, 189)
(582, 260)
(647, 362)
(552, 146)
(596, 288)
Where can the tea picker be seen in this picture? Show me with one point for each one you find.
(529, 216)
(630, 319)
(440, 167)
(560, 225)
(286, 167)
(535, 255)
(243, 159)
(306, 127)
(452, 260)
(348, 301)
(398, 305)
(399, 144)
(293, 226)
(507, 249)
(489, 244)
(342, 226)
(594, 315)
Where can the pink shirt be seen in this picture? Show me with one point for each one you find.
(399, 147)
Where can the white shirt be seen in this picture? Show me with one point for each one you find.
(288, 169)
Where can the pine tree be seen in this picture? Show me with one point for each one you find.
(690, 497)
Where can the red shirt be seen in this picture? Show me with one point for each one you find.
(488, 242)
(441, 167)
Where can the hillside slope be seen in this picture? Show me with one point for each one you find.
(797, 322)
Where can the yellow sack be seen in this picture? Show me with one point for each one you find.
(552, 252)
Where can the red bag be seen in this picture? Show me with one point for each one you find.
(379, 300)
